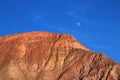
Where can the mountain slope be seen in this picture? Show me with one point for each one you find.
(50, 56)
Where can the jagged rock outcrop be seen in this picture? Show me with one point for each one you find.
(50, 56)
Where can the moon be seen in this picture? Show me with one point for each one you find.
(78, 23)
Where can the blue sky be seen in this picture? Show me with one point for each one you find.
(95, 23)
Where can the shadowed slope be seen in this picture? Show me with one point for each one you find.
(50, 56)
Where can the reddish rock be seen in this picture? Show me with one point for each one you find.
(50, 56)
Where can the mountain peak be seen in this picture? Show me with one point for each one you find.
(35, 36)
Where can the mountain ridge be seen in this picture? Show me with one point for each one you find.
(51, 56)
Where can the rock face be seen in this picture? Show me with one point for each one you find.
(50, 56)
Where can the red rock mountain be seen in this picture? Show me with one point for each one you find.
(50, 56)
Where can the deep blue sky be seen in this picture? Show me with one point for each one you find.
(95, 23)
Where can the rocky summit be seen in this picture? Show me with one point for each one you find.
(50, 56)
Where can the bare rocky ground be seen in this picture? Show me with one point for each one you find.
(50, 56)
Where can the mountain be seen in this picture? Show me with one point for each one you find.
(51, 56)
